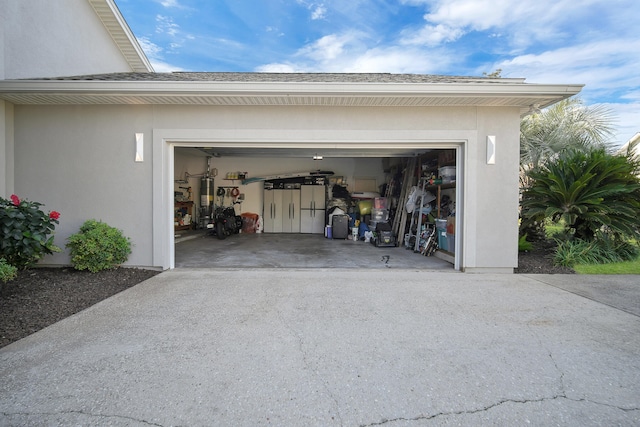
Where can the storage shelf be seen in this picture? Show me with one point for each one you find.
(442, 186)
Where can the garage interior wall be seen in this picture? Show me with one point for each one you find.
(190, 161)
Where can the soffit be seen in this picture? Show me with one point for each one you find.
(256, 89)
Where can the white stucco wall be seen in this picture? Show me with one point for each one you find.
(80, 161)
(45, 38)
(6, 148)
(492, 193)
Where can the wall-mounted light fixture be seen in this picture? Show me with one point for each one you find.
(491, 149)
(139, 147)
(316, 157)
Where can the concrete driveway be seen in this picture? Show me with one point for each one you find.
(331, 347)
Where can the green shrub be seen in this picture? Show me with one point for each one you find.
(24, 232)
(587, 192)
(98, 247)
(7, 271)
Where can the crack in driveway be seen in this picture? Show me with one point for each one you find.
(88, 414)
(308, 367)
(489, 407)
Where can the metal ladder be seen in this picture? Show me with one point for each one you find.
(416, 217)
(400, 218)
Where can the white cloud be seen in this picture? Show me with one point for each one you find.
(520, 24)
(628, 120)
(432, 35)
(279, 68)
(170, 3)
(603, 64)
(394, 60)
(607, 68)
(319, 12)
(328, 47)
(349, 53)
(150, 49)
(165, 25)
(154, 54)
(164, 67)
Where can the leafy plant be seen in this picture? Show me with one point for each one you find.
(98, 247)
(602, 251)
(523, 244)
(590, 192)
(25, 232)
(7, 272)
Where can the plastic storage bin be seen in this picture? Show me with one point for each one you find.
(380, 203)
(379, 214)
(441, 230)
(451, 242)
(448, 173)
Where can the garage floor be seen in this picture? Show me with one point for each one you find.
(197, 249)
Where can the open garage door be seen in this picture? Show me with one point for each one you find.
(371, 187)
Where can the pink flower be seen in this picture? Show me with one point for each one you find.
(15, 199)
(54, 215)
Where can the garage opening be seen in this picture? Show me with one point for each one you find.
(307, 209)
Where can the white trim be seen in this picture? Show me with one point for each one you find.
(284, 88)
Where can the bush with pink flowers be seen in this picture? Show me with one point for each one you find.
(25, 232)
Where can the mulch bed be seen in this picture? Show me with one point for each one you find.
(40, 297)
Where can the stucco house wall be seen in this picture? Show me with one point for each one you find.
(79, 160)
(44, 38)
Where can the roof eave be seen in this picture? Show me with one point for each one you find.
(538, 95)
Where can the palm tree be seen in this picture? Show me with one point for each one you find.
(567, 125)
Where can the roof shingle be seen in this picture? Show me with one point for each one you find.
(285, 77)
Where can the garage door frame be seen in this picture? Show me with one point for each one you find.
(166, 140)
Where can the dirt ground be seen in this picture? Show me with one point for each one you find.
(40, 297)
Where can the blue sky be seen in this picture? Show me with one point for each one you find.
(592, 42)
